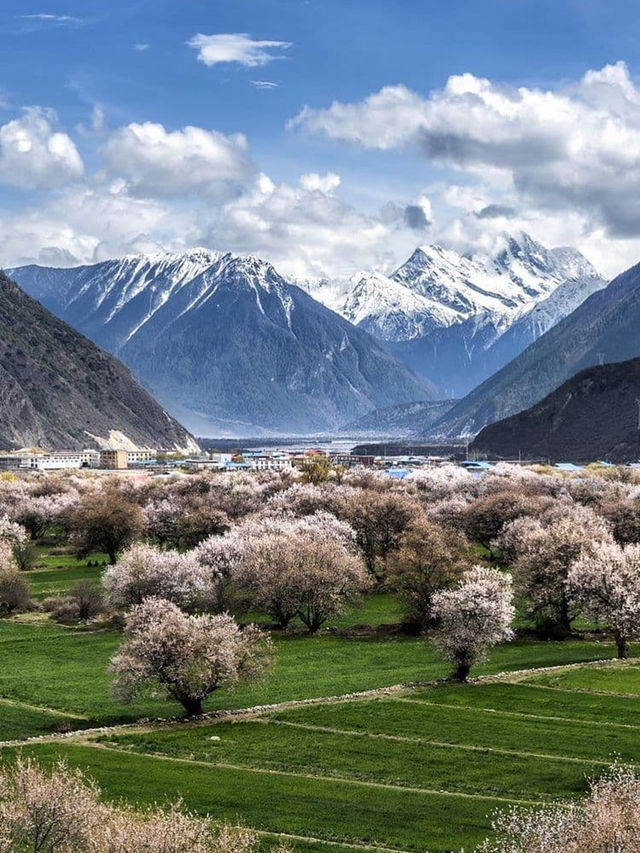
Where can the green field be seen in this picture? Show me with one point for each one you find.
(419, 768)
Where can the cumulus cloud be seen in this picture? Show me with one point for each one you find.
(236, 47)
(156, 162)
(309, 231)
(306, 229)
(313, 182)
(35, 156)
(572, 149)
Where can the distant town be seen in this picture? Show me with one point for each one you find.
(392, 459)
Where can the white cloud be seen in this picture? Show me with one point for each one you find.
(141, 48)
(264, 84)
(35, 156)
(156, 162)
(574, 149)
(313, 182)
(236, 47)
(308, 231)
(46, 18)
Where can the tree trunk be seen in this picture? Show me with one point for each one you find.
(462, 671)
(193, 707)
(623, 647)
(565, 617)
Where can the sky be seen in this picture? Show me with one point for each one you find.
(327, 136)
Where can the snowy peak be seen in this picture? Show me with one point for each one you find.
(437, 288)
(120, 297)
(388, 309)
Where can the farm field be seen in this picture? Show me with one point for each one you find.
(421, 767)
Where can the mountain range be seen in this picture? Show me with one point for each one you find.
(230, 347)
(455, 319)
(594, 415)
(59, 390)
(604, 328)
(225, 343)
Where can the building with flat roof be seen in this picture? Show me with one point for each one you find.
(114, 460)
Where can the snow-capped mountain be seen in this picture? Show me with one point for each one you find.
(437, 287)
(458, 319)
(225, 342)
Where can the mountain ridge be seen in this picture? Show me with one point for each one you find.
(604, 328)
(456, 319)
(59, 390)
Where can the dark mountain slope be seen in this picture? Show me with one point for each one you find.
(605, 328)
(57, 389)
(592, 416)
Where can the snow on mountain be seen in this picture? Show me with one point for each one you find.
(437, 288)
(225, 342)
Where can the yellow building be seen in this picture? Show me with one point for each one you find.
(113, 459)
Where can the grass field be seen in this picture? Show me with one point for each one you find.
(422, 768)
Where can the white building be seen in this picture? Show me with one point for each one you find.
(269, 462)
(213, 462)
(90, 458)
(57, 460)
(137, 456)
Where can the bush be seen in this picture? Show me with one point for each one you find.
(14, 591)
(89, 598)
(24, 554)
(606, 820)
(61, 811)
(62, 608)
(85, 601)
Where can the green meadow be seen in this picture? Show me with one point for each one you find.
(420, 767)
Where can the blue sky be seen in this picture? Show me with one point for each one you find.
(130, 63)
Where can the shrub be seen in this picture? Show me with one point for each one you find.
(61, 811)
(14, 590)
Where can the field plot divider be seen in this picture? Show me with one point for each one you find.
(385, 786)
